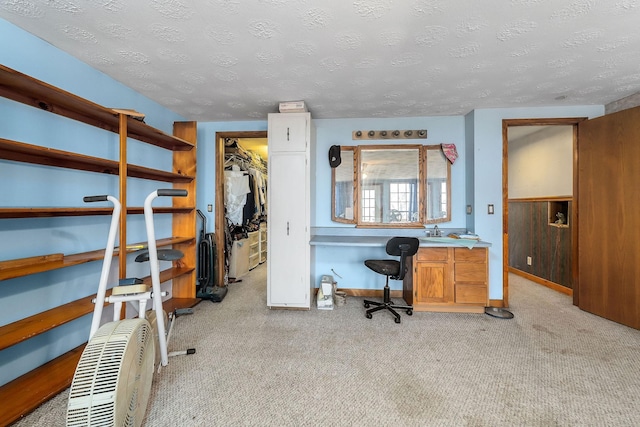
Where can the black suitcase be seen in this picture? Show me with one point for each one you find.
(206, 288)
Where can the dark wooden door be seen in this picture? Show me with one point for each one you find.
(608, 190)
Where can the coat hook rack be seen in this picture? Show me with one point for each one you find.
(390, 134)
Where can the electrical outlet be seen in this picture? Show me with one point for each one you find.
(528, 260)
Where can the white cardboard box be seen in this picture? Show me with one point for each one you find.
(293, 107)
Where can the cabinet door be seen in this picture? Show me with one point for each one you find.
(432, 284)
(288, 132)
(289, 253)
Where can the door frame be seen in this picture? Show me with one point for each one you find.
(220, 222)
(506, 123)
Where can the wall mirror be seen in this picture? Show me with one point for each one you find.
(438, 186)
(342, 188)
(389, 184)
(392, 186)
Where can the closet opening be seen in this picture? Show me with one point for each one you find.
(241, 205)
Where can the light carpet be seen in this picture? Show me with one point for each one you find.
(551, 365)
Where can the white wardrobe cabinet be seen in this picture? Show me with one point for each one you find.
(289, 218)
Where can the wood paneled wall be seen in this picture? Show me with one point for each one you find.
(548, 246)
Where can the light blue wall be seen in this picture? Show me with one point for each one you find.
(25, 185)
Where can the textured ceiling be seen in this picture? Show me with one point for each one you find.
(212, 60)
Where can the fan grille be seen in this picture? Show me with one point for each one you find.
(112, 382)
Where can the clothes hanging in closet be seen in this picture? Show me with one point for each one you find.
(245, 198)
(236, 188)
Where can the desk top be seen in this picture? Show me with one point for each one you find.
(381, 241)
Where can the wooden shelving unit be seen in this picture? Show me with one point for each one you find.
(25, 393)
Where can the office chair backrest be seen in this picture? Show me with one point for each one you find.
(402, 247)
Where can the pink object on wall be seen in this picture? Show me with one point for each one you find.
(450, 152)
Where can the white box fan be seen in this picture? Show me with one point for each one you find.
(112, 382)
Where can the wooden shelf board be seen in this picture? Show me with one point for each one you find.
(558, 225)
(17, 332)
(168, 274)
(28, 153)
(27, 90)
(51, 212)
(71, 211)
(159, 210)
(8, 271)
(34, 388)
(176, 303)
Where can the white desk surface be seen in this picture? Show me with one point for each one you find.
(373, 241)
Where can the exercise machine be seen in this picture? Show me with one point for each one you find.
(112, 382)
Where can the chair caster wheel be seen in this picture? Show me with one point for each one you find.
(369, 315)
(397, 320)
(409, 312)
(366, 306)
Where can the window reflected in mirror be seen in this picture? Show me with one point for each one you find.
(389, 184)
(438, 187)
(343, 177)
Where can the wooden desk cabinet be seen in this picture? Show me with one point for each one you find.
(448, 279)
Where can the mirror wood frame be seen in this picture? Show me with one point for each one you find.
(356, 166)
(438, 150)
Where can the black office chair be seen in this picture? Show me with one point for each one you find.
(397, 246)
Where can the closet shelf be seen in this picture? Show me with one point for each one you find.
(43, 212)
(28, 153)
(15, 268)
(27, 90)
(29, 327)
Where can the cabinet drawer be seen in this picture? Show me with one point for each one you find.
(433, 254)
(467, 272)
(471, 294)
(470, 255)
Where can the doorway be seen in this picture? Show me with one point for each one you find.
(220, 219)
(521, 124)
